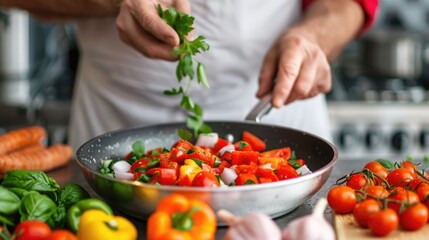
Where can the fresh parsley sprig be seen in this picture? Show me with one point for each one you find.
(182, 24)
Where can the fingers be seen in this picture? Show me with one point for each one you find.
(147, 16)
(268, 72)
(290, 65)
(303, 72)
(133, 33)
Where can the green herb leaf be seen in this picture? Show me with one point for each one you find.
(184, 134)
(249, 182)
(173, 91)
(386, 163)
(183, 24)
(201, 75)
(138, 148)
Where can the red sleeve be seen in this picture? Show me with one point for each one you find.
(369, 7)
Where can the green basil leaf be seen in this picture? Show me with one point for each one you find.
(71, 194)
(249, 182)
(37, 206)
(138, 148)
(184, 134)
(389, 165)
(30, 180)
(9, 201)
(58, 219)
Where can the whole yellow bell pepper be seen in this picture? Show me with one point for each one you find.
(97, 225)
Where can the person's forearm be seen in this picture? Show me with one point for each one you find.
(332, 24)
(65, 8)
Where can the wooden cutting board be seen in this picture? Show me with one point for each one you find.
(347, 229)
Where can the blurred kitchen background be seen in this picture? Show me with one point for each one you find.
(379, 104)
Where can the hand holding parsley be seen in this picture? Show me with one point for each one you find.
(182, 24)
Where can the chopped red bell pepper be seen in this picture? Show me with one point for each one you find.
(140, 164)
(245, 179)
(266, 173)
(249, 169)
(163, 176)
(256, 143)
(201, 154)
(286, 172)
(244, 157)
(220, 144)
(280, 152)
(264, 180)
(242, 146)
(178, 155)
(274, 162)
(183, 145)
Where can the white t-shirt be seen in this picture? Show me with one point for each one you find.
(117, 87)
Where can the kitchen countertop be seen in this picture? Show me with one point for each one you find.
(72, 173)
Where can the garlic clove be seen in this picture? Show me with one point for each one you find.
(310, 227)
(252, 226)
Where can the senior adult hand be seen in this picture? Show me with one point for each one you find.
(299, 66)
(140, 27)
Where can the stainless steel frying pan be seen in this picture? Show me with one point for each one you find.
(275, 199)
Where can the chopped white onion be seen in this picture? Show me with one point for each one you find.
(124, 175)
(227, 148)
(303, 170)
(121, 166)
(207, 139)
(228, 175)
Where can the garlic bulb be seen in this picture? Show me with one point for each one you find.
(252, 226)
(310, 227)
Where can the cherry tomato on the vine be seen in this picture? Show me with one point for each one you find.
(414, 217)
(377, 191)
(400, 198)
(358, 181)
(342, 199)
(377, 168)
(363, 210)
(399, 177)
(383, 222)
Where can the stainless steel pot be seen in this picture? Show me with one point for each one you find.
(392, 54)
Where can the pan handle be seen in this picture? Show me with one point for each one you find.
(261, 109)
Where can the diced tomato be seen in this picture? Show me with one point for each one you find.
(274, 162)
(286, 172)
(183, 145)
(220, 144)
(163, 176)
(178, 155)
(280, 153)
(245, 179)
(227, 156)
(207, 150)
(185, 181)
(256, 143)
(266, 173)
(222, 166)
(244, 157)
(201, 154)
(205, 179)
(154, 153)
(264, 180)
(250, 169)
(170, 164)
(242, 146)
(142, 163)
(300, 161)
(129, 155)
